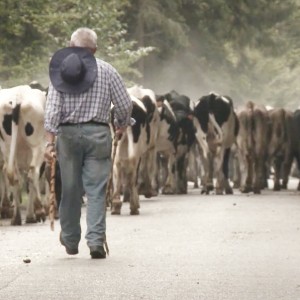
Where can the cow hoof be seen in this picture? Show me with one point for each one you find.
(276, 187)
(6, 213)
(219, 192)
(134, 212)
(154, 193)
(40, 215)
(16, 221)
(236, 185)
(116, 208)
(167, 192)
(205, 191)
(150, 194)
(228, 191)
(246, 189)
(30, 220)
(256, 191)
(210, 188)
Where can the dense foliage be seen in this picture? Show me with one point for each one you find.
(246, 49)
(32, 30)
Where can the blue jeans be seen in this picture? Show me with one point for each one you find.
(84, 155)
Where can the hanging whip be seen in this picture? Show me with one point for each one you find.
(52, 204)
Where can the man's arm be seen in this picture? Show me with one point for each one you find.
(53, 110)
(52, 119)
(121, 100)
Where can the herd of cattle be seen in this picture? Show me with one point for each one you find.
(173, 140)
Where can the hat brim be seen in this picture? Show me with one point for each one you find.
(89, 62)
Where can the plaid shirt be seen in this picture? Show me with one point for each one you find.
(92, 105)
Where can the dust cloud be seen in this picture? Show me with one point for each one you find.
(187, 76)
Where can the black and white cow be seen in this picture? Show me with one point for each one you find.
(136, 153)
(147, 183)
(217, 127)
(166, 145)
(22, 142)
(296, 139)
(182, 107)
(5, 203)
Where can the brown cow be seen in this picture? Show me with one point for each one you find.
(280, 149)
(252, 142)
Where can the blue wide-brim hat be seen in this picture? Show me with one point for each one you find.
(73, 70)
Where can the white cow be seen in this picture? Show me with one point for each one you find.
(217, 127)
(22, 141)
(147, 184)
(166, 145)
(130, 148)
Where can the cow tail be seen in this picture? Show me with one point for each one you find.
(250, 124)
(14, 137)
(285, 127)
(131, 152)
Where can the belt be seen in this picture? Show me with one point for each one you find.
(85, 123)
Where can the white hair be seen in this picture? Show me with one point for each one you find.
(84, 37)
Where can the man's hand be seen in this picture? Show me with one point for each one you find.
(119, 131)
(49, 153)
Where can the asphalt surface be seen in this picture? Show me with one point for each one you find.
(235, 247)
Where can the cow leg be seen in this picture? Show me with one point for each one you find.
(162, 169)
(209, 182)
(147, 174)
(134, 202)
(116, 198)
(5, 204)
(205, 174)
(35, 210)
(6, 208)
(225, 168)
(258, 174)
(277, 167)
(134, 195)
(181, 175)
(247, 173)
(30, 216)
(208, 172)
(150, 189)
(16, 218)
(286, 170)
(193, 166)
(297, 157)
(219, 173)
(169, 186)
(236, 178)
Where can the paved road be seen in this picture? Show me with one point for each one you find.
(239, 247)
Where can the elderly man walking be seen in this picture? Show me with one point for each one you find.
(81, 90)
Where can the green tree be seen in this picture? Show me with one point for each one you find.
(33, 30)
(247, 49)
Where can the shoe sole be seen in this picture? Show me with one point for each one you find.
(68, 250)
(97, 254)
